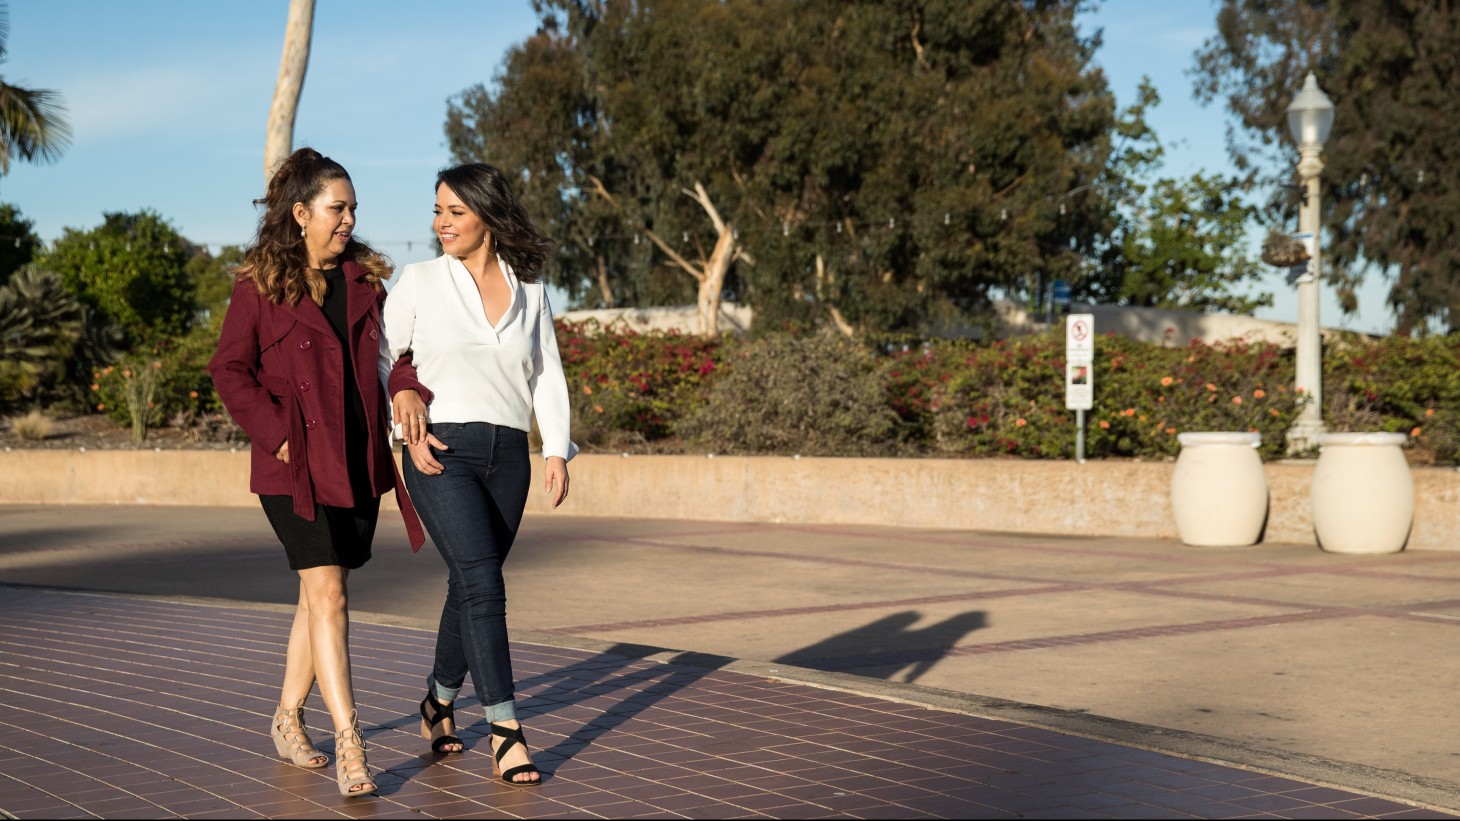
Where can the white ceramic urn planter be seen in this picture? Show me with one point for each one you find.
(1219, 489)
(1363, 493)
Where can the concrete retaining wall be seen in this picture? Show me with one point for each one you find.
(1022, 496)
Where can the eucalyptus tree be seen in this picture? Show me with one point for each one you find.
(872, 164)
(1392, 179)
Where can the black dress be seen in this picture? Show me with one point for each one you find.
(338, 535)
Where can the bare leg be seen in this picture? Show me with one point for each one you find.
(329, 644)
(298, 661)
(326, 603)
(298, 672)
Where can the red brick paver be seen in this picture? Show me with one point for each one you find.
(119, 707)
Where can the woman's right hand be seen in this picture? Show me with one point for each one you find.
(423, 455)
(282, 454)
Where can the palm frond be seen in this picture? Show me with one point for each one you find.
(33, 125)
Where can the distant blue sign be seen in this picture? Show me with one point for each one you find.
(1061, 292)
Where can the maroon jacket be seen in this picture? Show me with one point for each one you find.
(277, 370)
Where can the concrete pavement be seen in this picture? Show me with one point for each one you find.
(1333, 669)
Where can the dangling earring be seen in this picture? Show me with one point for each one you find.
(301, 231)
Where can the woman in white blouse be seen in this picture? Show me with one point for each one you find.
(473, 335)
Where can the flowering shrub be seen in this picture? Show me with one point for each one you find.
(127, 392)
(626, 384)
(817, 393)
(1400, 385)
(161, 383)
(1006, 398)
(1147, 394)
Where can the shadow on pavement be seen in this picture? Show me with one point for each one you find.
(888, 646)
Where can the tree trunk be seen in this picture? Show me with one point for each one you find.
(712, 276)
(605, 288)
(279, 139)
(707, 302)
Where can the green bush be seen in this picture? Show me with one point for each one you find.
(820, 395)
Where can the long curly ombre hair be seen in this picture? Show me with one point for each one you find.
(277, 261)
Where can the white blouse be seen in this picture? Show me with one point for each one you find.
(479, 372)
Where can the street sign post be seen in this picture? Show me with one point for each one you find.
(1080, 373)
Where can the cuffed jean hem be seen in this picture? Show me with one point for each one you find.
(506, 711)
(445, 695)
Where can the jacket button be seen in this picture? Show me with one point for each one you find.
(374, 334)
(303, 386)
(310, 424)
(304, 344)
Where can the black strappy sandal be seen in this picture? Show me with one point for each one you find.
(440, 713)
(511, 736)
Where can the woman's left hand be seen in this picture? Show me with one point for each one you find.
(556, 485)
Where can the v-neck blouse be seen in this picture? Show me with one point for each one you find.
(503, 374)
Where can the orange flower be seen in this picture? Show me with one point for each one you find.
(1128, 412)
(1020, 422)
(1429, 411)
(1166, 380)
(1211, 387)
(1161, 399)
(1171, 431)
(588, 389)
(598, 409)
(1259, 393)
(95, 386)
(151, 405)
(127, 374)
(1273, 411)
(1104, 424)
(1236, 400)
(101, 407)
(192, 394)
(1415, 432)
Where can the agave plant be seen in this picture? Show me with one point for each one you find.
(45, 331)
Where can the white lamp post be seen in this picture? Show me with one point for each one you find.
(1310, 116)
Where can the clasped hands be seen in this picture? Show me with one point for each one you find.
(410, 413)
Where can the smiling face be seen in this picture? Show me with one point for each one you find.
(328, 221)
(462, 233)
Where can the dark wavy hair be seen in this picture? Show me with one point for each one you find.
(487, 193)
(277, 261)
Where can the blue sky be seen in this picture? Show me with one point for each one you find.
(168, 100)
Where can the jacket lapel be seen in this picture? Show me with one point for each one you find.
(360, 294)
(309, 314)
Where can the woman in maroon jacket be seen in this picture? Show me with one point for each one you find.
(300, 366)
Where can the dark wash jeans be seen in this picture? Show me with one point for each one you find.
(472, 511)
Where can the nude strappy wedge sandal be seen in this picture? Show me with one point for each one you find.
(291, 740)
(350, 765)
